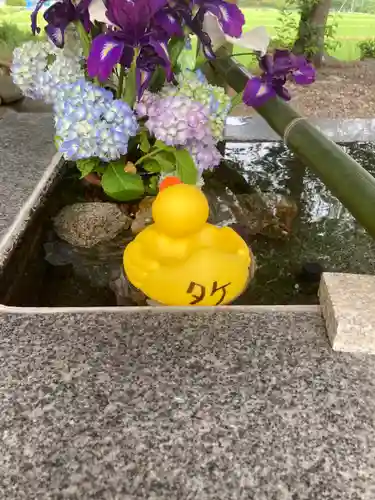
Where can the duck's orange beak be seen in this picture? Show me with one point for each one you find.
(169, 181)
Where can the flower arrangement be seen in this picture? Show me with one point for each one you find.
(131, 101)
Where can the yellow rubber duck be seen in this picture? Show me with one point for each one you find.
(182, 260)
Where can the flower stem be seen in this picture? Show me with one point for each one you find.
(238, 54)
(120, 87)
(130, 94)
(86, 43)
(84, 37)
(154, 152)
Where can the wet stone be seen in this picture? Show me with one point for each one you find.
(143, 216)
(88, 224)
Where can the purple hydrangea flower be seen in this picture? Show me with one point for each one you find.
(142, 106)
(177, 120)
(194, 85)
(206, 156)
(180, 122)
(277, 68)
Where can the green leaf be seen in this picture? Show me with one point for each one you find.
(186, 169)
(121, 185)
(167, 161)
(100, 169)
(161, 153)
(175, 47)
(162, 161)
(162, 145)
(57, 140)
(187, 60)
(130, 91)
(51, 58)
(144, 143)
(152, 165)
(84, 37)
(157, 80)
(87, 166)
(152, 188)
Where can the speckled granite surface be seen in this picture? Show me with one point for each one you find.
(221, 405)
(26, 148)
(347, 302)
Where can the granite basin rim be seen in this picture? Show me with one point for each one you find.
(175, 310)
(42, 190)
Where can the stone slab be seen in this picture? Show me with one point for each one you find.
(9, 92)
(26, 151)
(348, 306)
(26, 145)
(219, 404)
(256, 129)
(27, 105)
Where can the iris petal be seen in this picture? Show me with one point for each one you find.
(127, 56)
(105, 53)
(161, 51)
(143, 78)
(133, 16)
(34, 17)
(257, 92)
(304, 75)
(56, 34)
(58, 16)
(283, 61)
(168, 22)
(229, 15)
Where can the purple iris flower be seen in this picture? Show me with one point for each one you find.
(169, 21)
(229, 16)
(277, 68)
(59, 16)
(136, 25)
(191, 13)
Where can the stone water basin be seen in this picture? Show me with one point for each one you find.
(292, 223)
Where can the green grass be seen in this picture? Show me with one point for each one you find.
(15, 15)
(352, 27)
(14, 29)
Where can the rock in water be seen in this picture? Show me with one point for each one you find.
(126, 294)
(268, 214)
(143, 217)
(88, 224)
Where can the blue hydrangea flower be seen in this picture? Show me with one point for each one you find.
(90, 123)
(39, 68)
